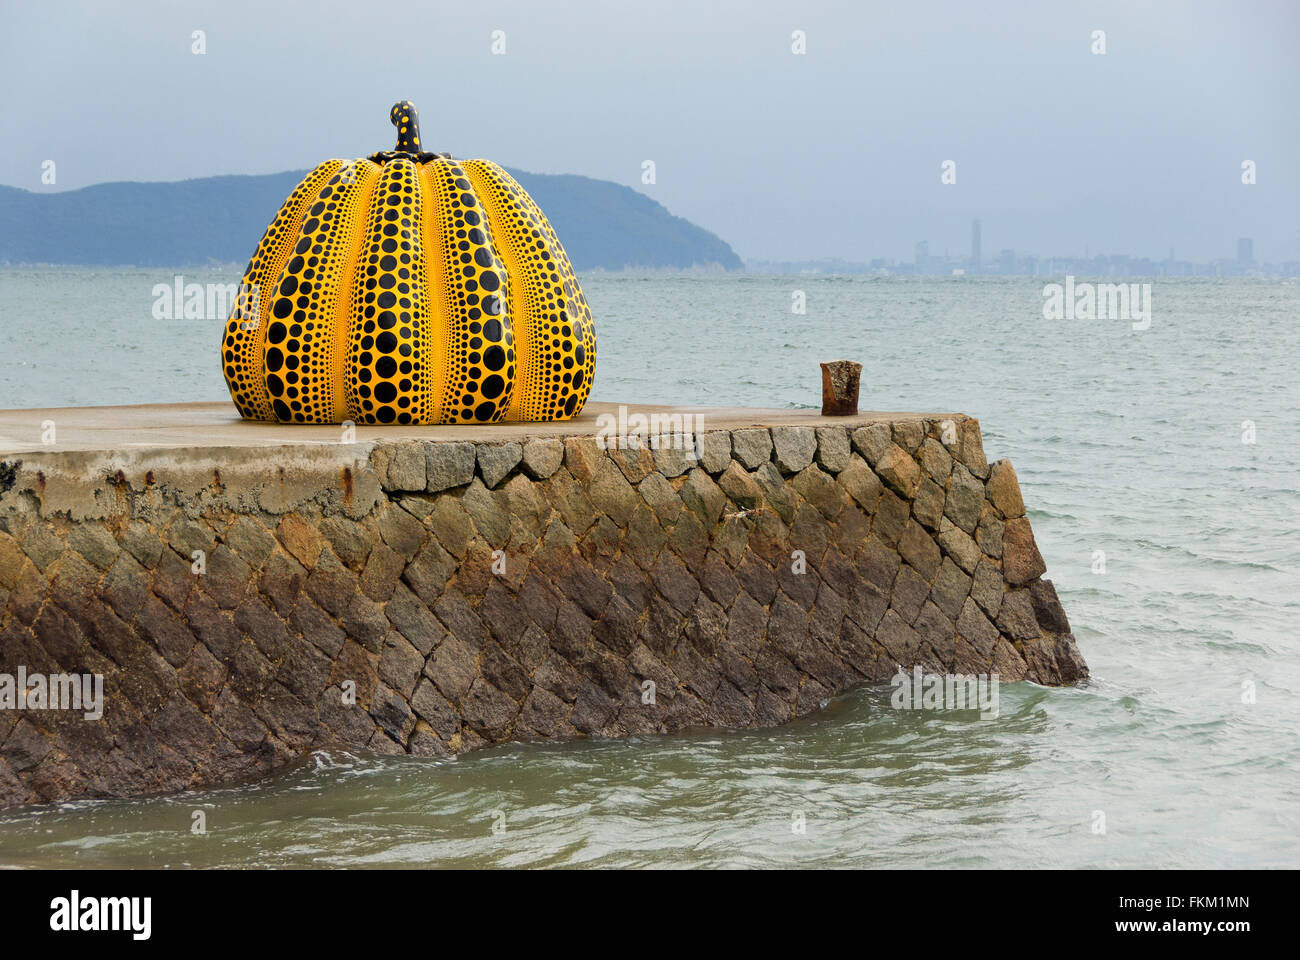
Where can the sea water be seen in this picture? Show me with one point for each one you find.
(1160, 467)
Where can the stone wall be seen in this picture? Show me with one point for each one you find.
(471, 593)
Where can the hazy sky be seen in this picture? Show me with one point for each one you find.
(834, 153)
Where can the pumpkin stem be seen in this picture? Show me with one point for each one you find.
(407, 122)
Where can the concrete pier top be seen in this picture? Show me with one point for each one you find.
(172, 425)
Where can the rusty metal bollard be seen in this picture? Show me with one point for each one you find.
(840, 380)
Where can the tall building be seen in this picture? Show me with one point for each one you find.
(1245, 251)
(923, 253)
(975, 243)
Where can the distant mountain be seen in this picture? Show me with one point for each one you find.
(602, 225)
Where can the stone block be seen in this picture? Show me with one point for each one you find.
(496, 460)
(448, 464)
(541, 457)
(1004, 490)
(793, 447)
(752, 447)
(1021, 561)
(899, 471)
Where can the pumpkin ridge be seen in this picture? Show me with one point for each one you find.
(245, 372)
(455, 325)
(526, 381)
(437, 310)
(300, 336)
(336, 277)
(385, 335)
(337, 327)
(506, 314)
(479, 363)
(562, 354)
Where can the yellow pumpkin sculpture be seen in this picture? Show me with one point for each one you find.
(410, 288)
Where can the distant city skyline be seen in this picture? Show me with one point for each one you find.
(1012, 262)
